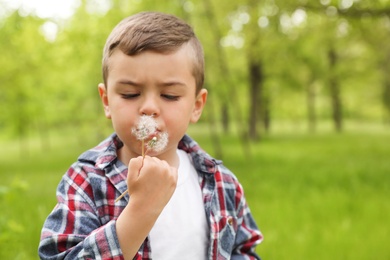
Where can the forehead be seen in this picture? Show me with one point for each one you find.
(151, 65)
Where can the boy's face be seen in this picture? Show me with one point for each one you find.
(155, 84)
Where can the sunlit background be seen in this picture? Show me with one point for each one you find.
(42, 8)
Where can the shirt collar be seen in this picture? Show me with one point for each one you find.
(203, 162)
(105, 154)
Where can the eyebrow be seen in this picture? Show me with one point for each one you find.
(172, 83)
(128, 82)
(163, 84)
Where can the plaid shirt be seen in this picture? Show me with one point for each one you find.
(82, 224)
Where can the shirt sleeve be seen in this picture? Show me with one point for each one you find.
(248, 235)
(74, 229)
(233, 227)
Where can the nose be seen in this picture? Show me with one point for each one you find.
(150, 106)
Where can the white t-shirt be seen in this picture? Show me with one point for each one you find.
(181, 231)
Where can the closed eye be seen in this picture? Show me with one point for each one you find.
(170, 97)
(130, 96)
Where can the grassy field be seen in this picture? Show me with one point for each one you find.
(319, 196)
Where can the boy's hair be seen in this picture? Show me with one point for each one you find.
(154, 31)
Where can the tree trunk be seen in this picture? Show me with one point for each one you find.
(225, 117)
(385, 66)
(386, 100)
(267, 111)
(311, 106)
(259, 108)
(22, 127)
(255, 98)
(334, 88)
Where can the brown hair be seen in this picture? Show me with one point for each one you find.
(154, 31)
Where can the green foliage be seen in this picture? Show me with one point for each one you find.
(46, 83)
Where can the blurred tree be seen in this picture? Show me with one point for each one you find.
(334, 89)
(22, 75)
(364, 16)
(256, 75)
(263, 60)
(377, 40)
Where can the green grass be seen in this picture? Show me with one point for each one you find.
(319, 196)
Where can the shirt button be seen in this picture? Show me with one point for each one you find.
(230, 220)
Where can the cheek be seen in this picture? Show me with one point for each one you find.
(122, 110)
(122, 119)
(181, 115)
(178, 123)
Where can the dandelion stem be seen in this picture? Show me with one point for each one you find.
(143, 158)
(122, 195)
(143, 148)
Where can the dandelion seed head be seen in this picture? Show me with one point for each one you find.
(146, 126)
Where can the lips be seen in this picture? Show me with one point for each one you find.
(158, 142)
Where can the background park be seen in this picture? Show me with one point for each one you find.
(299, 110)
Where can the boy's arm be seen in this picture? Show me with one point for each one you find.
(248, 236)
(233, 228)
(74, 229)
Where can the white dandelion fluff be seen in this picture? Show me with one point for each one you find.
(147, 128)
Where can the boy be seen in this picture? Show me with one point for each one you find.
(181, 203)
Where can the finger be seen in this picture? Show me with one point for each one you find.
(134, 166)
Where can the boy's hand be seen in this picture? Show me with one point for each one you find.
(151, 181)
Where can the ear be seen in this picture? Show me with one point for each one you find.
(200, 102)
(103, 96)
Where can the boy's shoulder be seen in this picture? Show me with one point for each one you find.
(103, 154)
(203, 162)
(97, 164)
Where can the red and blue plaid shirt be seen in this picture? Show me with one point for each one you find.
(82, 224)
